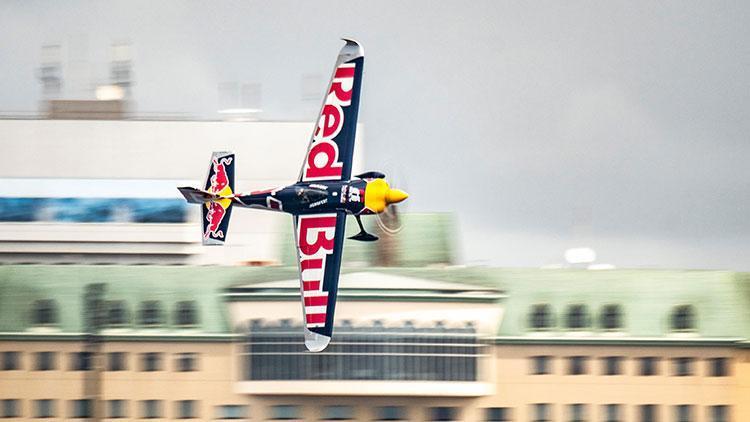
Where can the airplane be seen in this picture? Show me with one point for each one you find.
(319, 202)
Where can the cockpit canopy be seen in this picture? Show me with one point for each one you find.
(308, 194)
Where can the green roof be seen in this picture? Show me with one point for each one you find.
(721, 299)
(22, 285)
(424, 239)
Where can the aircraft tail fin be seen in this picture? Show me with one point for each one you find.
(216, 198)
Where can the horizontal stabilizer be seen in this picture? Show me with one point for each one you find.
(196, 196)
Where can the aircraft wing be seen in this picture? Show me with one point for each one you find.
(329, 154)
(320, 241)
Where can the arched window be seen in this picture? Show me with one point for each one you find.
(186, 313)
(611, 317)
(117, 313)
(683, 318)
(45, 312)
(540, 317)
(151, 313)
(577, 317)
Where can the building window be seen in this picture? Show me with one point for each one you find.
(11, 408)
(611, 317)
(683, 318)
(683, 366)
(612, 413)
(186, 409)
(116, 409)
(497, 414)
(577, 317)
(150, 362)
(338, 413)
(150, 409)
(11, 361)
(612, 365)
(117, 313)
(44, 408)
(541, 365)
(186, 313)
(718, 367)
(45, 312)
(577, 365)
(285, 412)
(683, 413)
(541, 412)
(577, 412)
(648, 365)
(151, 314)
(45, 361)
(391, 413)
(186, 362)
(231, 411)
(81, 409)
(443, 413)
(82, 361)
(374, 353)
(719, 413)
(648, 413)
(116, 361)
(540, 317)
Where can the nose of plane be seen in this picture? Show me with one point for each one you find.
(394, 196)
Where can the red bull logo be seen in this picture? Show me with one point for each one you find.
(315, 237)
(219, 178)
(323, 158)
(217, 209)
(214, 217)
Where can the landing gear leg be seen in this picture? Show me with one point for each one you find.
(363, 236)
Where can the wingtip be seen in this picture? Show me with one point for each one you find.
(315, 342)
(352, 48)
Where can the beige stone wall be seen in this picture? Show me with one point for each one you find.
(219, 369)
(210, 385)
(742, 394)
(518, 389)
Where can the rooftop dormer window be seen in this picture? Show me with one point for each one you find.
(577, 317)
(117, 313)
(151, 314)
(611, 317)
(186, 313)
(683, 318)
(45, 312)
(540, 317)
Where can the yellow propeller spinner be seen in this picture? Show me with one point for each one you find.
(378, 195)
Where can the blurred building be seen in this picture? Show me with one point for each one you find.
(422, 344)
(105, 191)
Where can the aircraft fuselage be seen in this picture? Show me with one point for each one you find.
(310, 197)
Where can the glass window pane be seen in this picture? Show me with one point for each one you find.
(285, 412)
(338, 413)
(391, 413)
(443, 413)
(44, 408)
(497, 414)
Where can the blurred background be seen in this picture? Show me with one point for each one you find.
(573, 248)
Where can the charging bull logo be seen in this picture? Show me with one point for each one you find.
(315, 236)
(214, 217)
(220, 178)
(217, 209)
(323, 158)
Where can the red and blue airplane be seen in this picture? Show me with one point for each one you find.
(325, 193)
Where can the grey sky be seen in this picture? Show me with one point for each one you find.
(543, 125)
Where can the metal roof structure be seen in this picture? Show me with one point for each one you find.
(720, 300)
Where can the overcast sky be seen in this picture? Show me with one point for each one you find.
(622, 126)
